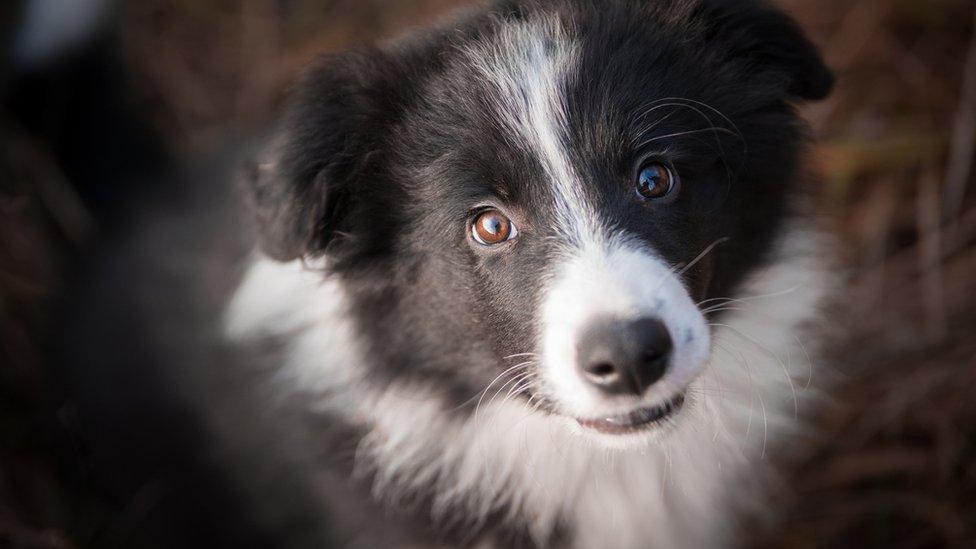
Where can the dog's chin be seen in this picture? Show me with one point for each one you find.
(642, 426)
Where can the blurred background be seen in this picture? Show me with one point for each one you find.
(118, 93)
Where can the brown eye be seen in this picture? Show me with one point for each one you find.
(656, 181)
(492, 228)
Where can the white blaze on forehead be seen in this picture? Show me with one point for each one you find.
(526, 68)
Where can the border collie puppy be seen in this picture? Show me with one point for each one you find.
(539, 276)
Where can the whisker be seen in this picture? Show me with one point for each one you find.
(722, 115)
(517, 389)
(704, 254)
(720, 309)
(511, 382)
(656, 105)
(518, 355)
(752, 298)
(741, 359)
(488, 387)
(715, 129)
(526, 381)
(659, 121)
(777, 358)
(712, 391)
(809, 362)
(683, 102)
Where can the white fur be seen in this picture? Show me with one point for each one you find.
(284, 299)
(678, 491)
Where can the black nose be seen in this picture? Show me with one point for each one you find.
(624, 356)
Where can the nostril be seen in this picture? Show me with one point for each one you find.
(654, 367)
(601, 372)
(654, 357)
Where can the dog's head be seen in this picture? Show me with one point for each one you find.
(543, 198)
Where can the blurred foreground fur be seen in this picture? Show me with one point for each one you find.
(893, 463)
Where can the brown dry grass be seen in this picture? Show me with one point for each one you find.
(892, 463)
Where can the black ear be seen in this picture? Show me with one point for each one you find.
(772, 42)
(297, 189)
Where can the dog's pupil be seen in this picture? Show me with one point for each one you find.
(654, 181)
(493, 227)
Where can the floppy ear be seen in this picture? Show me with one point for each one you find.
(772, 42)
(298, 188)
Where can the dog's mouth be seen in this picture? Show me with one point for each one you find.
(636, 421)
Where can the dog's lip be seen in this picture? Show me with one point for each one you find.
(637, 420)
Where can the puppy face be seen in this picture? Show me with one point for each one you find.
(537, 199)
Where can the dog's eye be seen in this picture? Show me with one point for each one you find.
(656, 181)
(491, 228)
